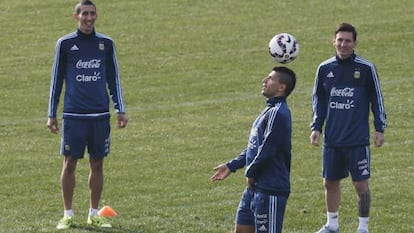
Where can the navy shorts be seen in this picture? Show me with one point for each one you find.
(79, 134)
(338, 162)
(265, 212)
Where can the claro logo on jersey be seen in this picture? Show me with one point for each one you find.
(91, 64)
(88, 78)
(342, 92)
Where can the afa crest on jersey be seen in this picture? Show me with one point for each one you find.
(357, 74)
(101, 45)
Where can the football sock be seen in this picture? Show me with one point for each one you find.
(363, 223)
(93, 212)
(68, 213)
(332, 220)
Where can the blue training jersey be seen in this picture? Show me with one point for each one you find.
(344, 92)
(267, 156)
(88, 66)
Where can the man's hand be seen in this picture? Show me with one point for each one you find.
(122, 120)
(379, 139)
(52, 124)
(250, 183)
(314, 137)
(222, 171)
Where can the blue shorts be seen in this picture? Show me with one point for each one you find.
(78, 134)
(338, 162)
(265, 212)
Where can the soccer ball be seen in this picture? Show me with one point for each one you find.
(284, 48)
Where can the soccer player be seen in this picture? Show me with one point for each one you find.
(86, 62)
(346, 87)
(267, 158)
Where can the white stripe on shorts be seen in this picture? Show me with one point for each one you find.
(272, 214)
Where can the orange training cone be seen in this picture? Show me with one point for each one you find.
(107, 211)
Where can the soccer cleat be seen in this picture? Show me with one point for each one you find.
(325, 229)
(362, 231)
(65, 223)
(98, 221)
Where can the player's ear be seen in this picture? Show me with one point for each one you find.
(282, 87)
(75, 16)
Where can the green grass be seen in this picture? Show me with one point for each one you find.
(192, 72)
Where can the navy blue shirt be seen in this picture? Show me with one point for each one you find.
(267, 156)
(343, 94)
(88, 66)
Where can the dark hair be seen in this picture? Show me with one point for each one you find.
(287, 77)
(83, 3)
(346, 27)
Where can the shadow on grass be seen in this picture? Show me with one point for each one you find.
(113, 229)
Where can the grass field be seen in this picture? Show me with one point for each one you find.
(191, 72)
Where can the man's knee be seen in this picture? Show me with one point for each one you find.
(96, 165)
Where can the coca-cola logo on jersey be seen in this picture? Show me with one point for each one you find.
(91, 64)
(342, 92)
